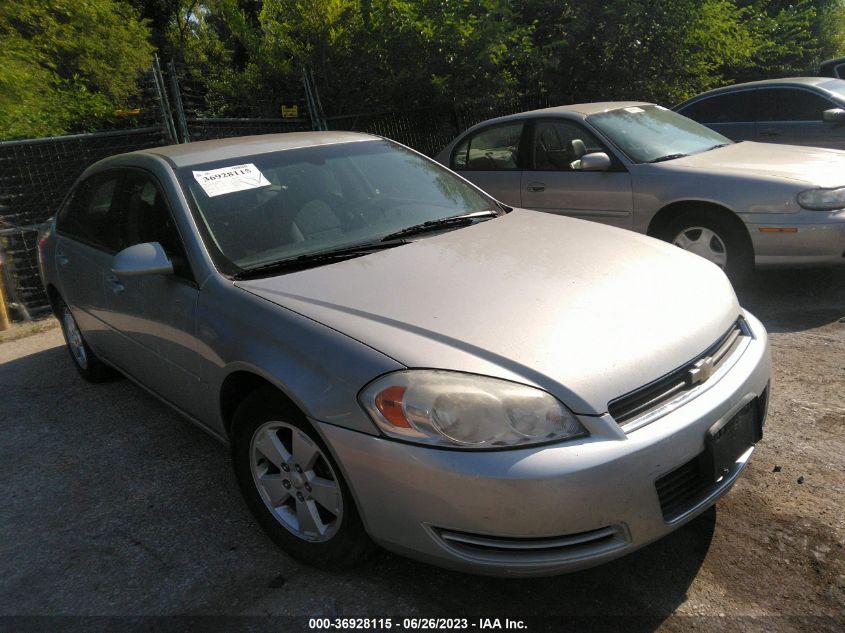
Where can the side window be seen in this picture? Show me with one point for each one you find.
(91, 215)
(148, 219)
(734, 107)
(789, 104)
(493, 148)
(559, 145)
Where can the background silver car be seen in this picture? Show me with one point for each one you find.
(393, 356)
(639, 166)
(795, 111)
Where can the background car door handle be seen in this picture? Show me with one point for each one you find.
(62, 259)
(769, 133)
(536, 186)
(116, 286)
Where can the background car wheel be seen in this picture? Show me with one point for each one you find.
(292, 484)
(89, 366)
(714, 237)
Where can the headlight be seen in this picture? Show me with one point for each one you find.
(463, 410)
(822, 199)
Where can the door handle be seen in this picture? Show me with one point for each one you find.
(62, 258)
(536, 187)
(116, 286)
(769, 133)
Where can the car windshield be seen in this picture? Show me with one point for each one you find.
(257, 210)
(651, 133)
(836, 86)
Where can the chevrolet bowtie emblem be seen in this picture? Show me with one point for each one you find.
(701, 371)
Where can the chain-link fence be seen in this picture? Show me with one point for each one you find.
(35, 175)
(175, 105)
(429, 130)
(211, 107)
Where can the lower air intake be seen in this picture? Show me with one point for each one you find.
(526, 550)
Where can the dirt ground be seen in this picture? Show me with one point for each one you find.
(110, 505)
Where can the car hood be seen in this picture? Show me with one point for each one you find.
(810, 165)
(587, 312)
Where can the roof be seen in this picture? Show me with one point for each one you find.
(229, 148)
(585, 109)
(785, 81)
(581, 109)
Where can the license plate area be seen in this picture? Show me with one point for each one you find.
(728, 439)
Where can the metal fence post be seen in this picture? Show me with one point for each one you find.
(315, 108)
(176, 94)
(167, 115)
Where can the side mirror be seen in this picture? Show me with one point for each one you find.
(142, 259)
(597, 161)
(834, 115)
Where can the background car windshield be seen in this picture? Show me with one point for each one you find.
(646, 133)
(836, 86)
(304, 201)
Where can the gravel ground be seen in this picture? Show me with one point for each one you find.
(111, 505)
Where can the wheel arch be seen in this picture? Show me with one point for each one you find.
(239, 384)
(54, 298)
(242, 382)
(664, 216)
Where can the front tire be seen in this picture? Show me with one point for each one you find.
(292, 484)
(715, 238)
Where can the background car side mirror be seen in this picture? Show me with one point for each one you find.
(834, 115)
(142, 259)
(596, 161)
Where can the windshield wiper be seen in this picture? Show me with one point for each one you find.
(454, 221)
(310, 260)
(718, 146)
(660, 159)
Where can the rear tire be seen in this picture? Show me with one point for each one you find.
(292, 484)
(714, 237)
(89, 366)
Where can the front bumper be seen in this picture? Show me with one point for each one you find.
(547, 509)
(807, 238)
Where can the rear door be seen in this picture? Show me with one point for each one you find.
(794, 116)
(554, 182)
(87, 239)
(493, 158)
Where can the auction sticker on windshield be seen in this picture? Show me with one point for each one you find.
(217, 182)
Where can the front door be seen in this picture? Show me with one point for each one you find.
(155, 315)
(555, 183)
(794, 116)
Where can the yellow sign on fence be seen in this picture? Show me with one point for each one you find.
(290, 111)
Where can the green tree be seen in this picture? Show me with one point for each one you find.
(67, 65)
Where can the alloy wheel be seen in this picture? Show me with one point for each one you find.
(296, 481)
(74, 339)
(703, 242)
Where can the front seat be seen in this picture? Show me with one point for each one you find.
(576, 150)
(316, 221)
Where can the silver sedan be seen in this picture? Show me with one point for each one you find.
(642, 167)
(394, 357)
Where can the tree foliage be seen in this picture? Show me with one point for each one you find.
(63, 62)
(67, 65)
(371, 54)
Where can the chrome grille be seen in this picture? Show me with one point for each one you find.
(686, 378)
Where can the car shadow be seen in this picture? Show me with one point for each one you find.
(795, 300)
(639, 590)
